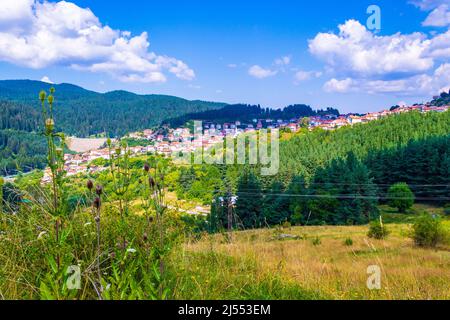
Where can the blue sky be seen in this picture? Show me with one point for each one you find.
(272, 53)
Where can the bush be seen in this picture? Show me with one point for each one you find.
(348, 242)
(378, 230)
(428, 231)
(400, 196)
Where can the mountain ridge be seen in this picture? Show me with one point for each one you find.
(83, 112)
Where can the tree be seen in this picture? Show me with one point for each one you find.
(276, 206)
(298, 201)
(400, 196)
(248, 205)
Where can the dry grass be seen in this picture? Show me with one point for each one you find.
(339, 271)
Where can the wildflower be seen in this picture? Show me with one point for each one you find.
(112, 255)
(90, 184)
(151, 181)
(97, 219)
(118, 151)
(97, 203)
(146, 167)
(145, 236)
(49, 125)
(42, 95)
(99, 190)
(52, 90)
(50, 99)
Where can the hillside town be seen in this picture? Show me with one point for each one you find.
(167, 141)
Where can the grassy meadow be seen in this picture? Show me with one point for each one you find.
(329, 270)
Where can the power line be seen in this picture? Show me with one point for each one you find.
(342, 196)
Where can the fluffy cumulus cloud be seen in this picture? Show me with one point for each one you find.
(399, 63)
(357, 51)
(40, 34)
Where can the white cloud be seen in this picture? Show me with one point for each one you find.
(439, 17)
(439, 46)
(47, 80)
(260, 72)
(39, 34)
(232, 65)
(340, 86)
(279, 65)
(306, 75)
(419, 84)
(405, 64)
(358, 52)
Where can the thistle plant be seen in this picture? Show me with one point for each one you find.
(119, 161)
(55, 159)
(154, 199)
(96, 211)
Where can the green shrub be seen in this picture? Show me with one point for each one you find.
(378, 230)
(348, 242)
(428, 231)
(401, 197)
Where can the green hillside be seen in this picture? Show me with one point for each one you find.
(78, 112)
(83, 113)
(304, 153)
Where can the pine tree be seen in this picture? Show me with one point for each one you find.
(276, 206)
(248, 205)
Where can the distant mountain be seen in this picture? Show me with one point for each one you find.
(83, 113)
(246, 113)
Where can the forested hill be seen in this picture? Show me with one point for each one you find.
(83, 113)
(246, 113)
(304, 153)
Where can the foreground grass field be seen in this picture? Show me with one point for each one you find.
(257, 265)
